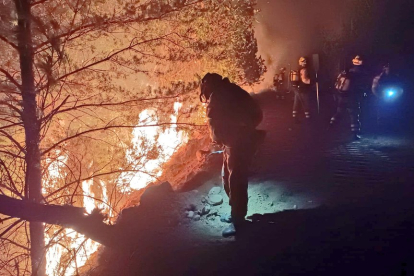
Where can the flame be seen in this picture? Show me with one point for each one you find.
(88, 201)
(168, 142)
(81, 247)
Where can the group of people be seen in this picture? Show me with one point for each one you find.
(350, 87)
(233, 118)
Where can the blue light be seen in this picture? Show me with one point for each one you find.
(390, 93)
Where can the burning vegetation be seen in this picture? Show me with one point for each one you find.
(94, 97)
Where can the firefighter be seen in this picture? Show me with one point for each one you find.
(386, 87)
(385, 80)
(279, 83)
(233, 116)
(351, 87)
(302, 89)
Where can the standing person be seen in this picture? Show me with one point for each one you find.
(279, 83)
(385, 80)
(233, 116)
(386, 87)
(351, 86)
(302, 89)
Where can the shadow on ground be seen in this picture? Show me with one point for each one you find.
(374, 238)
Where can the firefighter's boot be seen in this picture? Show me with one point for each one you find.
(229, 231)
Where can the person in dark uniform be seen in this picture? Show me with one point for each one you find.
(384, 80)
(233, 116)
(302, 89)
(386, 87)
(351, 90)
(279, 83)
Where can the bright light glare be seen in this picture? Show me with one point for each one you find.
(391, 93)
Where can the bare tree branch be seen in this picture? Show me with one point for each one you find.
(10, 227)
(10, 78)
(107, 58)
(14, 190)
(93, 176)
(114, 21)
(8, 42)
(67, 216)
(105, 104)
(17, 144)
(11, 154)
(118, 126)
(38, 2)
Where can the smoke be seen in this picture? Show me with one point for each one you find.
(286, 30)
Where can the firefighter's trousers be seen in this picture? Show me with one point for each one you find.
(280, 90)
(237, 158)
(351, 105)
(302, 100)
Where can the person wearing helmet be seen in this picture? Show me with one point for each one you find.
(279, 83)
(302, 90)
(233, 116)
(349, 98)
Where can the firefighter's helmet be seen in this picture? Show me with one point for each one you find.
(302, 61)
(209, 81)
(357, 60)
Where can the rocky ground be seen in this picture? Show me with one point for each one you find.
(319, 203)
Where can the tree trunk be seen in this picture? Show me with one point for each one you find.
(32, 132)
(67, 216)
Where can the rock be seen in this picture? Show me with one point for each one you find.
(154, 194)
(190, 214)
(215, 200)
(191, 207)
(197, 217)
(214, 191)
(213, 214)
(206, 209)
(203, 199)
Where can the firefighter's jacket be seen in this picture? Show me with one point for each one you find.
(232, 114)
(359, 81)
(304, 87)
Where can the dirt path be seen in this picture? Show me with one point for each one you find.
(319, 204)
